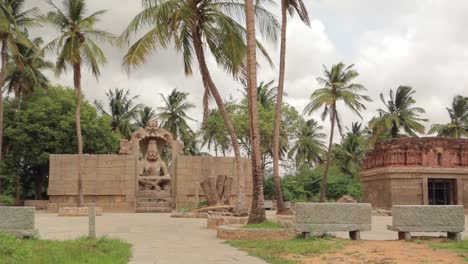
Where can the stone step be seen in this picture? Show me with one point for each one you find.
(153, 204)
(151, 194)
(154, 200)
(153, 210)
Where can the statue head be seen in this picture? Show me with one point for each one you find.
(152, 152)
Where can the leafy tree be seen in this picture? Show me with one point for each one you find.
(173, 115)
(76, 47)
(400, 113)
(337, 86)
(458, 126)
(309, 148)
(47, 127)
(123, 109)
(144, 116)
(200, 26)
(14, 20)
(214, 134)
(349, 154)
(298, 7)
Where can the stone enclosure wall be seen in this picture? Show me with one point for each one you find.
(108, 180)
(189, 171)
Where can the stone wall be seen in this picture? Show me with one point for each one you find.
(189, 171)
(108, 180)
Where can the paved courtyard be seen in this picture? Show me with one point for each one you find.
(160, 239)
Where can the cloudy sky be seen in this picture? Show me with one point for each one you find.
(420, 43)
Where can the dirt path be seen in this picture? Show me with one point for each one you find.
(383, 252)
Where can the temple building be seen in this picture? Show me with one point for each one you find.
(416, 171)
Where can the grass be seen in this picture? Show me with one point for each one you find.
(83, 250)
(274, 252)
(266, 224)
(6, 200)
(460, 247)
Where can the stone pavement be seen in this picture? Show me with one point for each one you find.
(160, 239)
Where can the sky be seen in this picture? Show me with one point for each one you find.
(418, 43)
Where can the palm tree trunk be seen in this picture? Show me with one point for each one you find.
(4, 56)
(257, 211)
(77, 83)
(17, 176)
(323, 190)
(241, 204)
(280, 208)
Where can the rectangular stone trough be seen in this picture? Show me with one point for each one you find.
(428, 218)
(320, 218)
(18, 220)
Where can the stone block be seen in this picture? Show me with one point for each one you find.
(77, 211)
(428, 218)
(18, 221)
(333, 217)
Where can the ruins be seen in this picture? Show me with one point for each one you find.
(416, 171)
(150, 174)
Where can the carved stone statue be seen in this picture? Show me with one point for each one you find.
(153, 173)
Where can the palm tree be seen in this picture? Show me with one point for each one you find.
(337, 86)
(309, 147)
(14, 20)
(291, 6)
(24, 79)
(144, 116)
(400, 113)
(76, 47)
(123, 110)
(173, 115)
(200, 26)
(214, 134)
(349, 154)
(458, 126)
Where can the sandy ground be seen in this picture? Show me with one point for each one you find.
(383, 252)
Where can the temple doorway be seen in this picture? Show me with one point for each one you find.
(442, 191)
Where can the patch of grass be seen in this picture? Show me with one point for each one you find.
(84, 250)
(274, 251)
(6, 200)
(266, 224)
(460, 247)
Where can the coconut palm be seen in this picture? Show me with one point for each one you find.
(75, 47)
(214, 134)
(400, 113)
(290, 6)
(173, 115)
(14, 21)
(337, 87)
(200, 26)
(144, 116)
(458, 126)
(349, 153)
(123, 109)
(309, 147)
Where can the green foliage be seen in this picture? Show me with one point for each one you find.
(83, 250)
(305, 185)
(173, 115)
(274, 251)
(265, 225)
(47, 126)
(460, 247)
(6, 200)
(458, 126)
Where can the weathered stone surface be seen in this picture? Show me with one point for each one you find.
(333, 217)
(18, 221)
(236, 232)
(218, 220)
(428, 218)
(346, 199)
(77, 211)
(268, 204)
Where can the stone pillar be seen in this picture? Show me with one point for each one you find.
(425, 191)
(92, 220)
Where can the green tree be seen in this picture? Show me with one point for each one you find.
(458, 126)
(400, 113)
(144, 116)
(75, 47)
(349, 153)
(214, 134)
(14, 20)
(298, 7)
(309, 148)
(47, 127)
(173, 115)
(200, 26)
(337, 87)
(123, 110)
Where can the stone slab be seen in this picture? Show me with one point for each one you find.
(18, 220)
(333, 217)
(77, 211)
(416, 216)
(454, 229)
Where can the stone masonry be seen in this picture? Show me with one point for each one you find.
(18, 221)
